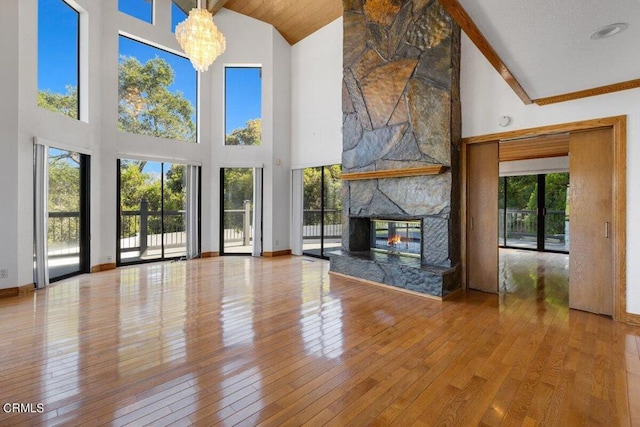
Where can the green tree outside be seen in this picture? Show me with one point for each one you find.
(248, 135)
(64, 103)
(147, 107)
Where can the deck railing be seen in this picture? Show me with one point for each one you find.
(523, 224)
(142, 229)
(312, 225)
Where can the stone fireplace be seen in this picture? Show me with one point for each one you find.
(401, 140)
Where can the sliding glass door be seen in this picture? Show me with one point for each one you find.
(533, 212)
(154, 211)
(322, 210)
(237, 211)
(68, 214)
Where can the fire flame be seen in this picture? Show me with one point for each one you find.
(394, 240)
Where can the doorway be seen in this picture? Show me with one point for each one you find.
(241, 211)
(158, 211)
(68, 214)
(322, 210)
(537, 143)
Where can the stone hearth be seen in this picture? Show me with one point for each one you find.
(401, 111)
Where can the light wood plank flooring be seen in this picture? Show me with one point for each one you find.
(246, 341)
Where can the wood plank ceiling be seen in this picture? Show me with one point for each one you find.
(294, 19)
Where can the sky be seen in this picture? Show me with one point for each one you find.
(58, 60)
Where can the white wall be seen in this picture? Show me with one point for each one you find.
(277, 232)
(486, 97)
(252, 42)
(316, 102)
(9, 121)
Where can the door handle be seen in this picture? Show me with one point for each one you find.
(471, 222)
(606, 229)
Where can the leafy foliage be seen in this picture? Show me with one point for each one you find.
(64, 103)
(64, 196)
(146, 106)
(522, 194)
(249, 135)
(138, 186)
(238, 187)
(312, 194)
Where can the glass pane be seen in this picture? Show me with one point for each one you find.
(238, 210)
(521, 219)
(397, 237)
(178, 14)
(175, 209)
(332, 209)
(58, 28)
(311, 211)
(63, 235)
(157, 92)
(243, 105)
(556, 225)
(141, 9)
(140, 210)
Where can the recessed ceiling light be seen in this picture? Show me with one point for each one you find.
(608, 31)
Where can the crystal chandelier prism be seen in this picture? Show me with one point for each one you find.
(200, 39)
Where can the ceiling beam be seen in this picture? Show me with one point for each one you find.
(215, 5)
(463, 19)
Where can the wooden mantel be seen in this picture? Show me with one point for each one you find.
(395, 173)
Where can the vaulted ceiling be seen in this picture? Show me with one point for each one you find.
(546, 50)
(294, 19)
(543, 49)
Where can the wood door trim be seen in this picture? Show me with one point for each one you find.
(619, 126)
(549, 130)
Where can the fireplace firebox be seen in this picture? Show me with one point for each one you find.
(397, 237)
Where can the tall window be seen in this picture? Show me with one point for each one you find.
(157, 92)
(58, 57)
(243, 105)
(179, 12)
(141, 9)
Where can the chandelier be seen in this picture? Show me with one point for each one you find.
(200, 39)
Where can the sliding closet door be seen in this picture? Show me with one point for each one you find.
(591, 257)
(482, 217)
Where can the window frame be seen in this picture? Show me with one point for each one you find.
(79, 12)
(152, 18)
(196, 104)
(224, 100)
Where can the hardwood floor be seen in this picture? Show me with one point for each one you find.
(248, 341)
